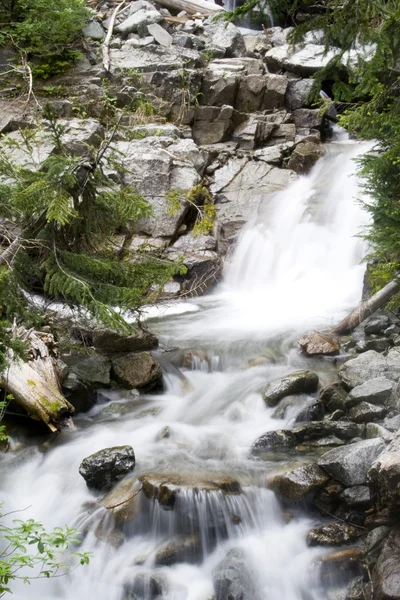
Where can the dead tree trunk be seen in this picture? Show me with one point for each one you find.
(192, 6)
(367, 307)
(34, 385)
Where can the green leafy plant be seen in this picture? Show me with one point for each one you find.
(201, 200)
(30, 552)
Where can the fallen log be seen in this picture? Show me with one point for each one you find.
(34, 384)
(192, 6)
(367, 307)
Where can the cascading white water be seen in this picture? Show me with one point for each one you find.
(296, 266)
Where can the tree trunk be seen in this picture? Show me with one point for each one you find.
(34, 385)
(367, 307)
(192, 6)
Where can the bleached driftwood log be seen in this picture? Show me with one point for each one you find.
(34, 384)
(192, 6)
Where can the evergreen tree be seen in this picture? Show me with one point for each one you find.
(65, 212)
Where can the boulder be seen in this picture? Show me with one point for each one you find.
(136, 370)
(370, 365)
(103, 469)
(307, 118)
(299, 382)
(297, 93)
(296, 485)
(350, 464)
(366, 412)
(94, 370)
(81, 395)
(161, 36)
(233, 579)
(316, 343)
(212, 124)
(384, 477)
(358, 495)
(374, 391)
(373, 430)
(144, 585)
(316, 429)
(94, 30)
(334, 534)
(281, 438)
(333, 396)
(218, 88)
(386, 575)
(373, 543)
(303, 158)
(250, 93)
(165, 487)
(108, 340)
(376, 324)
(275, 90)
(227, 37)
(313, 412)
(139, 19)
(123, 501)
(183, 549)
(301, 61)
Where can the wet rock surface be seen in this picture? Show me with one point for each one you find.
(334, 534)
(299, 382)
(106, 467)
(350, 464)
(234, 579)
(136, 370)
(296, 485)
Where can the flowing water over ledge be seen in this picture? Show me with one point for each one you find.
(296, 267)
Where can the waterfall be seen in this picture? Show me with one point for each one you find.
(296, 266)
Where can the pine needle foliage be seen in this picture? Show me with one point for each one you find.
(67, 209)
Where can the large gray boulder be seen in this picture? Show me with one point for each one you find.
(345, 430)
(384, 476)
(281, 438)
(304, 157)
(108, 340)
(386, 575)
(233, 579)
(136, 370)
(227, 37)
(301, 61)
(296, 485)
(366, 412)
(297, 93)
(374, 391)
(103, 469)
(334, 534)
(212, 124)
(94, 370)
(350, 464)
(371, 365)
(299, 382)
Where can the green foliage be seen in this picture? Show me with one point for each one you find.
(201, 200)
(67, 210)
(30, 552)
(43, 27)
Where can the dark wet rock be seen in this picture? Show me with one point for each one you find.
(314, 343)
(280, 438)
(350, 464)
(144, 586)
(333, 396)
(81, 395)
(333, 534)
(358, 495)
(165, 487)
(365, 412)
(386, 575)
(370, 365)
(327, 499)
(384, 476)
(94, 370)
(183, 549)
(355, 589)
(299, 382)
(330, 440)
(103, 469)
(373, 543)
(303, 158)
(313, 412)
(378, 344)
(376, 324)
(374, 391)
(233, 579)
(124, 501)
(112, 341)
(136, 370)
(296, 485)
(345, 430)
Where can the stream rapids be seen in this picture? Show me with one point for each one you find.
(296, 267)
